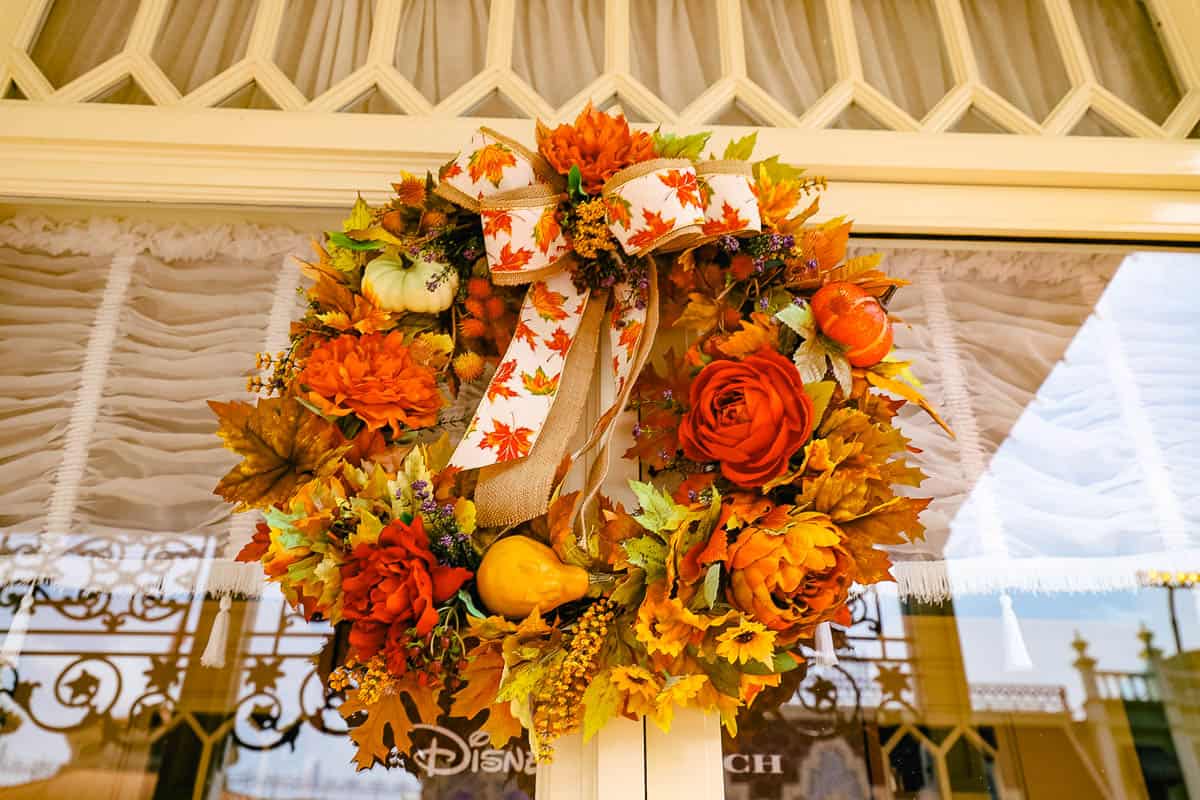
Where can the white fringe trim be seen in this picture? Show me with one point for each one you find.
(226, 577)
(944, 580)
(104, 236)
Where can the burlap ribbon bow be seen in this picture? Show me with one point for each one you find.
(520, 432)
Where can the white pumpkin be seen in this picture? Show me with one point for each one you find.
(395, 283)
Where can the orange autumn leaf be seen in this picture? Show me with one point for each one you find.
(617, 211)
(655, 228)
(451, 170)
(503, 374)
(687, 190)
(370, 737)
(538, 383)
(282, 444)
(775, 199)
(826, 244)
(630, 335)
(729, 222)
(559, 342)
(508, 442)
(616, 527)
(410, 190)
(524, 333)
(546, 302)
(547, 229)
(510, 260)
(489, 162)
(496, 222)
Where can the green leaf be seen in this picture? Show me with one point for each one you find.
(712, 584)
(648, 553)
(820, 393)
(575, 183)
(797, 317)
(741, 149)
(782, 662)
(469, 604)
(725, 677)
(599, 704)
(659, 512)
(776, 171)
(342, 240)
(360, 216)
(669, 145)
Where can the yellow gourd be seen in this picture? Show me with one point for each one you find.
(395, 283)
(519, 574)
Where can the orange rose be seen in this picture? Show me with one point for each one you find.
(791, 572)
(374, 377)
(393, 585)
(750, 415)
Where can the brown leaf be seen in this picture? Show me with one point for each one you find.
(616, 526)
(369, 736)
(283, 446)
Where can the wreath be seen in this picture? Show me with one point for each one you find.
(408, 452)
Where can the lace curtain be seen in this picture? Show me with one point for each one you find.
(559, 48)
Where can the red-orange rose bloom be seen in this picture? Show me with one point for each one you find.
(395, 582)
(374, 377)
(750, 415)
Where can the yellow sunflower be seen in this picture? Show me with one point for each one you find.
(749, 641)
(639, 689)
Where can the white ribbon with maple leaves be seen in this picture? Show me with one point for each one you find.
(549, 364)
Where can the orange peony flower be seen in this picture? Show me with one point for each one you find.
(750, 415)
(373, 377)
(599, 144)
(791, 572)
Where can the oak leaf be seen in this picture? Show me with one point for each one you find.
(370, 736)
(283, 446)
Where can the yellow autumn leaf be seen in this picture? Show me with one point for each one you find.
(910, 394)
(700, 315)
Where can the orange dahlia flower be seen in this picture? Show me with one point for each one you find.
(791, 572)
(374, 377)
(598, 143)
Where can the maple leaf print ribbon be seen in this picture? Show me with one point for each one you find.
(541, 383)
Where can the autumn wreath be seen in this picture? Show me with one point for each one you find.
(408, 452)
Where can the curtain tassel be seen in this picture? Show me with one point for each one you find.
(826, 655)
(1016, 654)
(14, 640)
(218, 637)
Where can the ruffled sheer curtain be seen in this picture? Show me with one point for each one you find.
(559, 48)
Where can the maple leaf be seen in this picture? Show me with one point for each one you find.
(892, 522)
(538, 383)
(503, 374)
(701, 313)
(496, 221)
(512, 260)
(489, 162)
(616, 527)
(508, 442)
(450, 170)
(826, 243)
(617, 210)
(258, 545)
(282, 444)
(630, 335)
(546, 229)
(757, 332)
(524, 333)
(546, 302)
(729, 222)
(655, 228)
(687, 191)
(559, 342)
(481, 681)
(370, 735)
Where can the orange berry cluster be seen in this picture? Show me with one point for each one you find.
(488, 317)
(558, 703)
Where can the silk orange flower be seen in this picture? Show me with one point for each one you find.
(598, 143)
(374, 377)
(791, 572)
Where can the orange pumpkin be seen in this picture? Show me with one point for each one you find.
(854, 319)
